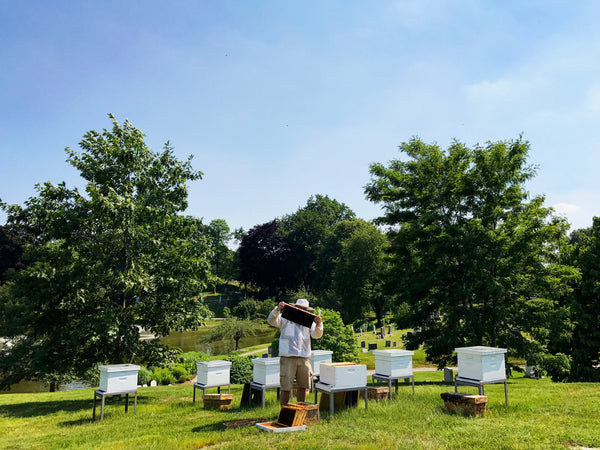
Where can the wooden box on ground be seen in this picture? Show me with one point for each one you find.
(468, 405)
(291, 418)
(376, 393)
(118, 377)
(393, 363)
(217, 401)
(265, 370)
(344, 374)
(312, 411)
(213, 373)
(481, 363)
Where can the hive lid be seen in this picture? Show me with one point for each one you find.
(266, 361)
(215, 363)
(480, 350)
(393, 352)
(321, 352)
(119, 367)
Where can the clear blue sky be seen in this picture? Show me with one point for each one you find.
(281, 100)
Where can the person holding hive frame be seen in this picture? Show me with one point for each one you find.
(297, 327)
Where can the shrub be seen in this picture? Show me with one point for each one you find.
(180, 373)
(144, 375)
(189, 359)
(163, 375)
(246, 309)
(241, 368)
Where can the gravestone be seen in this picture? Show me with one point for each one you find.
(388, 343)
(382, 332)
(363, 344)
(448, 375)
(390, 329)
(372, 345)
(394, 343)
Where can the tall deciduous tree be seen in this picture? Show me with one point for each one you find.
(585, 305)
(263, 259)
(472, 257)
(305, 233)
(109, 262)
(350, 270)
(222, 256)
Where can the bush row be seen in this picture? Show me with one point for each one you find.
(184, 369)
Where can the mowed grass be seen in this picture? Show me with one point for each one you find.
(541, 414)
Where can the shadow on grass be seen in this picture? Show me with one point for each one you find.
(216, 426)
(36, 409)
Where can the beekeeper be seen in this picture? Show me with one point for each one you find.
(294, 351)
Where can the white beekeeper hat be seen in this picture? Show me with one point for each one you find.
(303, 303)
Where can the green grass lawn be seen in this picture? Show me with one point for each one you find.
(541, 414)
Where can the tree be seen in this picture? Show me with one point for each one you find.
(222, 256)
(234, 329)
(263, 259)
(585, 305)
(305, 232)
(358, 274)
(11, 252)
(350, 270)
(109, 262)
(471, 257)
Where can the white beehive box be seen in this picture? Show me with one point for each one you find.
(266, 370)
(393, 363)
(317, 357)
(118, 377)
(481, 363)
(344, 374)
(213, 373)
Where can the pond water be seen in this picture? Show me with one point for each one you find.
(197, 341)
(187, 341)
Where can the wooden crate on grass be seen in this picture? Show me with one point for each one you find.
(468, 405)
(376, 393)
(217, 401)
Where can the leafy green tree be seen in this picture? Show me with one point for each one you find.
(585, 305)
(11, 252)
(471, 256)
(357, 279)
(234, 329)
(264, 259)
(222, 256)
(109, 262)
(305, 232)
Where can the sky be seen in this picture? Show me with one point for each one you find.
(278, 101)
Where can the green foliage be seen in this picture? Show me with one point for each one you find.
(180, 373)
(241, 370)
(221, 259)
(358, 270)
(164, 376)
(246, 309)
(226, 312)
(189, 360)
(304, 233)
(144, 376)
(107, 262)
(558, 367)
(472, 256)
(584, 304)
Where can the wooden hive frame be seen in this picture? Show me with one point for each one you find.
(298, 315)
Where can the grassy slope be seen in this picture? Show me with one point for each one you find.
(540, 414)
